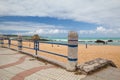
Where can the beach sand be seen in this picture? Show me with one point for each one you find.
(84, 54)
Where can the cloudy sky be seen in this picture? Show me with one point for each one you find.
(90, 18)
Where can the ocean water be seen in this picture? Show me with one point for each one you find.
(116, 41)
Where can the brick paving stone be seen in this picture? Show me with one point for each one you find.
(6, 60)
(30, 64)
(29, 72)
(5, 75)
(89, 78)
(19, 61)
(14, 69)
(59, 74)
(104, 71)
(37, 77)
(109, 73)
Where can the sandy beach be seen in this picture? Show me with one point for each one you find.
(84, 54)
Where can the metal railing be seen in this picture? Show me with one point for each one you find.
(72, 50)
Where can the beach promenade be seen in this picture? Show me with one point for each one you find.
(24, 60)
(18, 66)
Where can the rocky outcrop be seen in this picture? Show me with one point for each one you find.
(110, 41)
(100, 41)
(94, 65)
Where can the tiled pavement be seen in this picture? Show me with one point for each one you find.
(17, 66)
(108, 73)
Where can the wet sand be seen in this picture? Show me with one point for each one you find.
(84, 54)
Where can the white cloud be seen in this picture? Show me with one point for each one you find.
(32, 28)
(102, 12)
(96, 11)
(100, 30)
(46, 32)
(29, 28)
(50, 31)
(24, 26)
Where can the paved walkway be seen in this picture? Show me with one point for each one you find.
(108, 73)
(18, 66)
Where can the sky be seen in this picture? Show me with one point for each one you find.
(55, 18)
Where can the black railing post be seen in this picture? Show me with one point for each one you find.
(1, 40)
(9, 42)
(36, 46)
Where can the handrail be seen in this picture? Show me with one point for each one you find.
(54, 43)
(57, 54)
(27, 47)
(53, 53)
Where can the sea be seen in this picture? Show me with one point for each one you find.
(91, 41)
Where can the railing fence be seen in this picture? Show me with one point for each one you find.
(72, 50)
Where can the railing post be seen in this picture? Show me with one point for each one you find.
(19, 43)
(36, 38)
(36, 46)
(72, 51)
(9, 42)
(1, 40)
